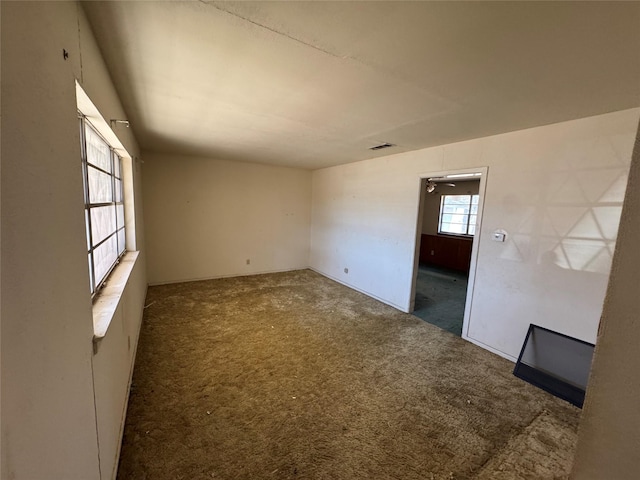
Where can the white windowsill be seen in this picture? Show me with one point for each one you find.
(108, 299)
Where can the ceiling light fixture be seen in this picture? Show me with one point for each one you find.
(462, 175)
(431, 184)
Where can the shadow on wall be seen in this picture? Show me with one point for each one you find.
(577, 228)
(572, 238)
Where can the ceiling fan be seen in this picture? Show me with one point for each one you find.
(431, 185)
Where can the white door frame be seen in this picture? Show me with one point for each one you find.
(474, 246)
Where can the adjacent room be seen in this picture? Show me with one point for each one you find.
(310, 239)
(449, 218)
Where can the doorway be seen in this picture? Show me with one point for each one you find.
(447, 238)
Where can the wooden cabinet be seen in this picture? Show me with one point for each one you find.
(446, 251)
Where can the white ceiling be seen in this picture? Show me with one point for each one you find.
(314, 84)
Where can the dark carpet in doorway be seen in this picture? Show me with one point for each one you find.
(440, 297)
(293, 376)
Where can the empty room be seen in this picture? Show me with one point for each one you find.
(319, 240)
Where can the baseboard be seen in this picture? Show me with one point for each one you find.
(489, 348)
(369, 294)
(231, 275)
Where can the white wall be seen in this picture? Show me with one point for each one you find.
(557, 190)
(51, 426)
(205, 217)
(431, 207)
(609, 437)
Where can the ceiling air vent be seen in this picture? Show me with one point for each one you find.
(381, 146)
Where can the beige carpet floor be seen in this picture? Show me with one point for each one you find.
(293, 376)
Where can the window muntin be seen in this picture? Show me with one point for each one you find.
(104, 204)
(458, 214)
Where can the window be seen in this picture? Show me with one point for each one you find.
(104, 204)
(458, 214)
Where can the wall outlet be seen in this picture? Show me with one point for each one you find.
(346, 270)
(248, 261)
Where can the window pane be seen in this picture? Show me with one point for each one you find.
(103, 222)
(120, 216)
(118, 183)
(99, 186)
(121, 241)
(474, 209)
(457, 219)
(98, 152)
(116, 165)
(456, 200)
(105, 256)
(472, 229)
(462, 209)
(448, 209)
(90, 273)
(456, 209)
(86, 228)
(474, 199)
(473, 219)
(453, 228)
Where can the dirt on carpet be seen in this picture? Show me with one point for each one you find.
(294, 376)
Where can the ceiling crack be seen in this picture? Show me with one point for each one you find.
(273, 30)
(218, 5)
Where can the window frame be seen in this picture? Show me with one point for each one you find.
(468, 215)
(116, 177)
